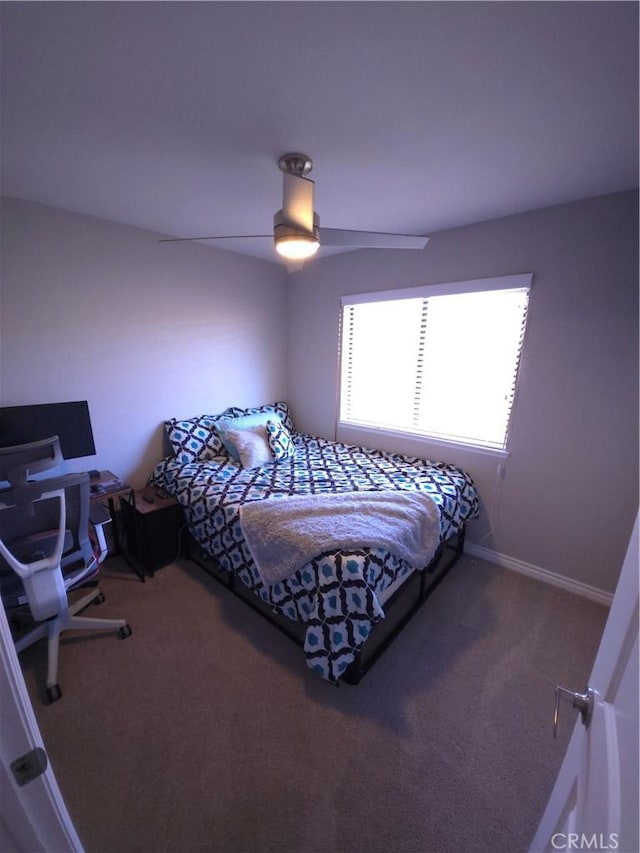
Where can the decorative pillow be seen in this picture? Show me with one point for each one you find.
(279, 440)
(254, 423)
(281, 409)
(252, 447)
(196, 439)
(234, 412)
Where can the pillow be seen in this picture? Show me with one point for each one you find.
(252, 447)
(254, 423)
(280, 409)
(196, 439)
(279, 440)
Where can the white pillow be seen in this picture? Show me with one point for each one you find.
(224, 427)
(252, 447)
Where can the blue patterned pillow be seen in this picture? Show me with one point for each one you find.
(280, 440)
(196, 439)
(280, 409)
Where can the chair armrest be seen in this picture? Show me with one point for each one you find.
(98, 517)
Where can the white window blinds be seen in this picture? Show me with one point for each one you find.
(437, 361)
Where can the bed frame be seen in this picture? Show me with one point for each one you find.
(399, 608)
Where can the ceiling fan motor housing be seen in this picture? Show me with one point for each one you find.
(296, 227)
(283, 227)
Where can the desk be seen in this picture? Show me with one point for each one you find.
(107, 487)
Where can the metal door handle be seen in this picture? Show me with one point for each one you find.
(582, 701)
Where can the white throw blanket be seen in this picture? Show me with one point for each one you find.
(284, 533)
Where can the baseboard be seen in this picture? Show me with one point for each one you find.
(583, 589)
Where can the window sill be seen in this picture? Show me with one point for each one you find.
(425, 439)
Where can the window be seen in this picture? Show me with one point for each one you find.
(440, 361)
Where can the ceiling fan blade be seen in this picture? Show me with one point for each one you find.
(297, 201)
(228, 237)
(370, 239)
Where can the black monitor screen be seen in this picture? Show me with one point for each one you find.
(69, 421)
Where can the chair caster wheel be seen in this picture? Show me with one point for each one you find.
(99, 599)
(54, 693)
(125, 631)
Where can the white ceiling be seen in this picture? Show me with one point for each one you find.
(419, 116)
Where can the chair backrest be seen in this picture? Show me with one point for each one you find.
(21, 461)
(43, 526)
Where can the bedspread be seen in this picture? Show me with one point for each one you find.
(335, 595)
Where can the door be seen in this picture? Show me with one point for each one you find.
(33, 817)
(594, 804)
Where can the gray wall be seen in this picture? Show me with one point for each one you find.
(143, 331)
(100, 311)
(569, 495)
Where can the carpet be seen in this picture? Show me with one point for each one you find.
(205, 730)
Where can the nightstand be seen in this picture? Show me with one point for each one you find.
(152, 529)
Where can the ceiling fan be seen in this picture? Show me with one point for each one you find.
(297, 234)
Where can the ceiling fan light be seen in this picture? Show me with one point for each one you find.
(293, 242)
(296, 247)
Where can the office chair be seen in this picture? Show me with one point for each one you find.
(18, 465)
(44, 525)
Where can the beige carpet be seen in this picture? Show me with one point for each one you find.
(205, 731)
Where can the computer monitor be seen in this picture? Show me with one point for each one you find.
(71, 422)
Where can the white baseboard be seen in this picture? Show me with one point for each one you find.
(579, 588)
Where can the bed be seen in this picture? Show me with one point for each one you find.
(233, 470)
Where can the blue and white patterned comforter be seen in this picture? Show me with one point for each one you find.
(335, 595)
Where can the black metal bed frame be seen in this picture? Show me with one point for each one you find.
(399, 609)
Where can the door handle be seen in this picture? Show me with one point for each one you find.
(582, 701)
